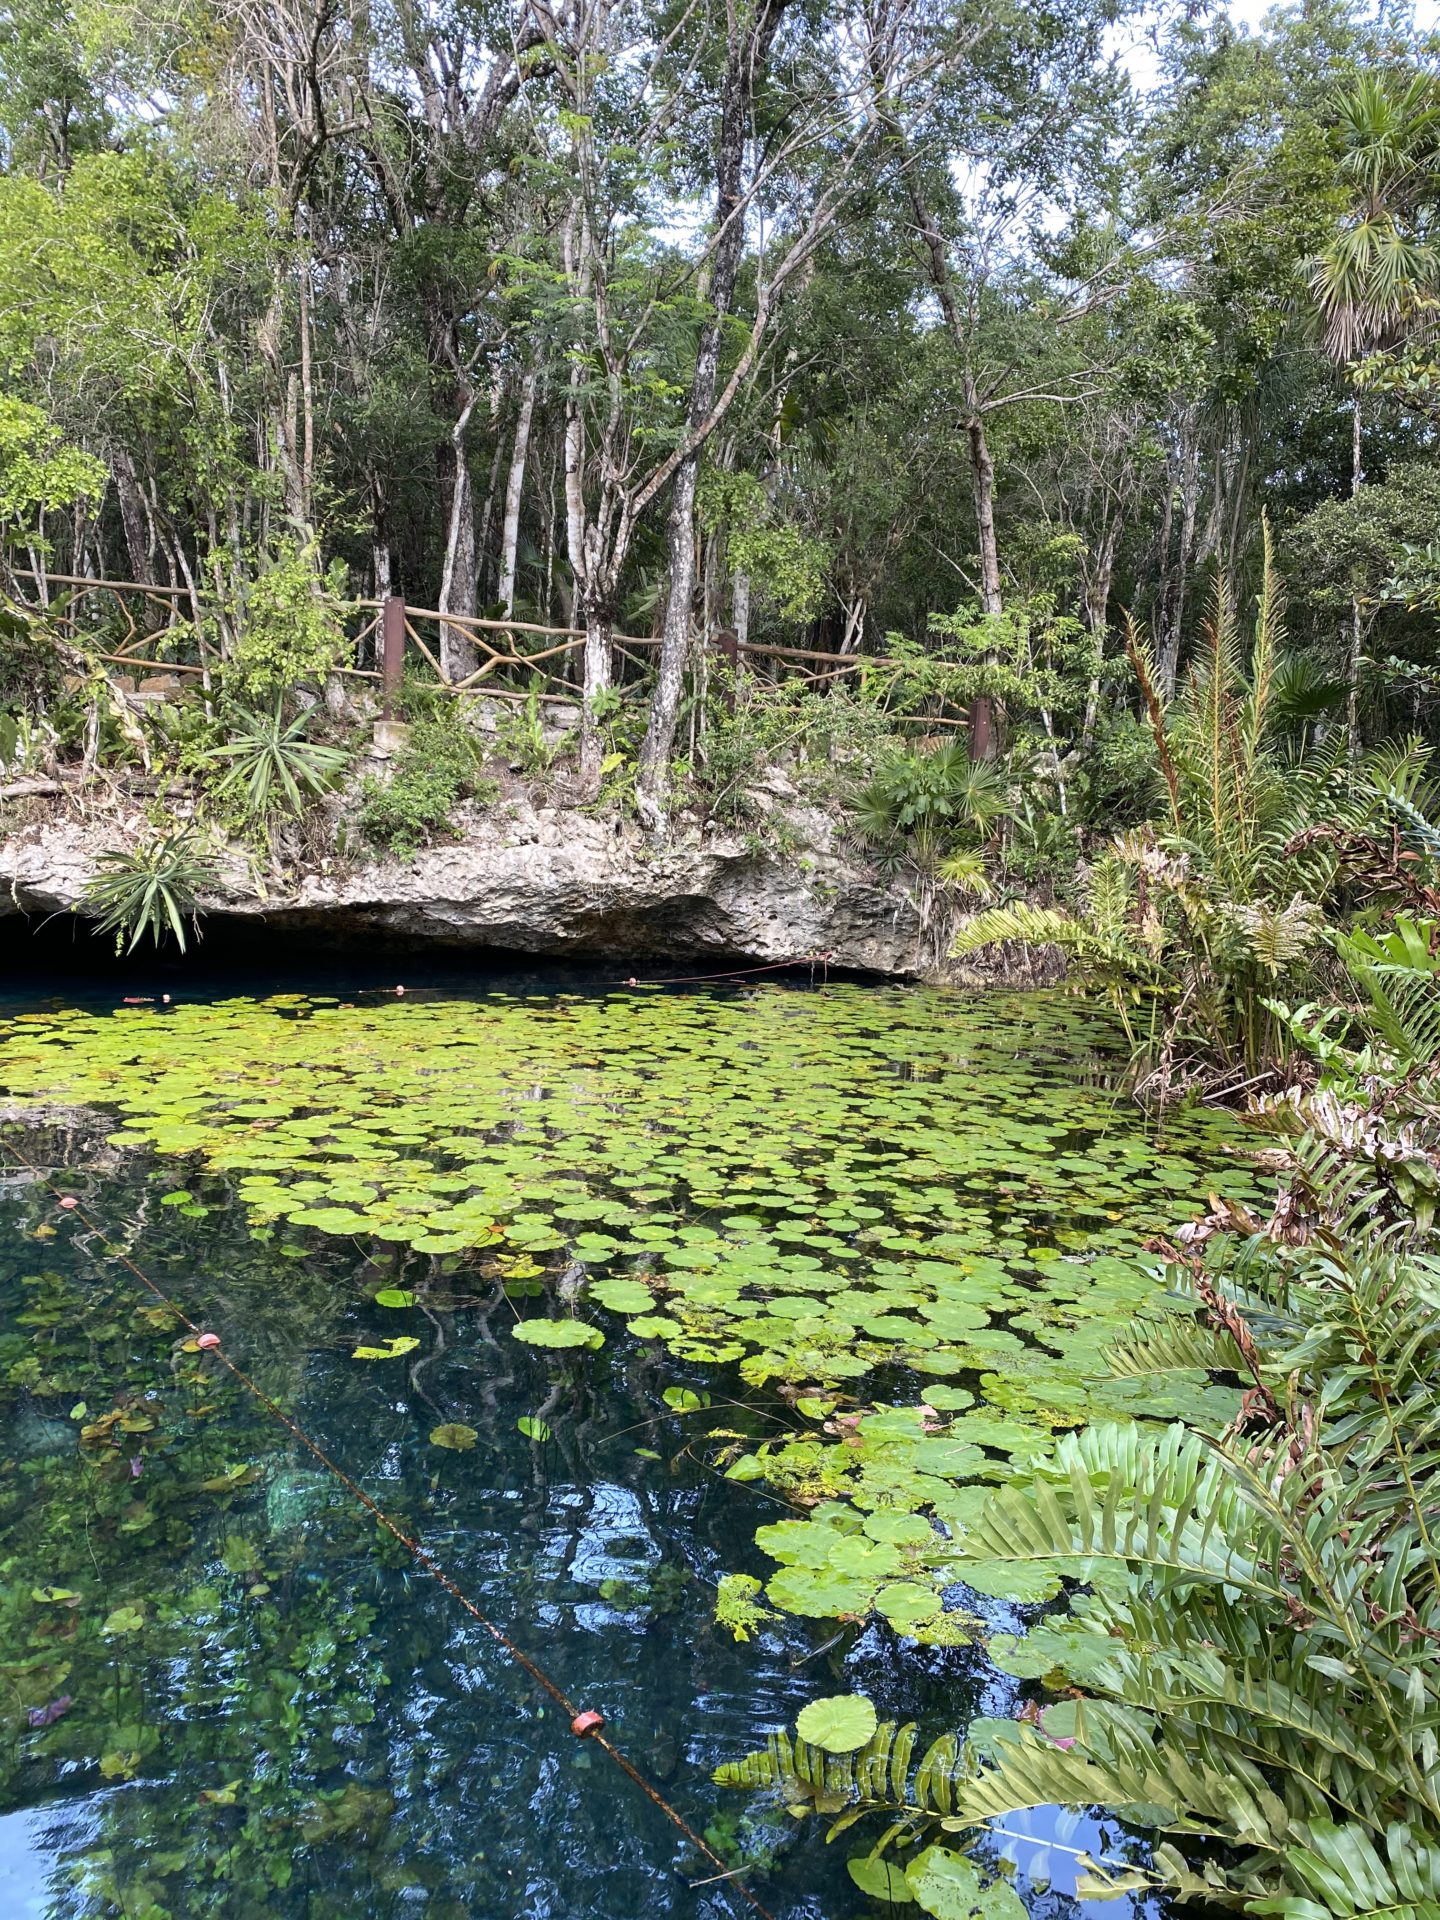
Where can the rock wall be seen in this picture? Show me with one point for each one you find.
(537, 879)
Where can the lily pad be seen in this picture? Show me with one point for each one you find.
(558, 1333)
(839, 1723)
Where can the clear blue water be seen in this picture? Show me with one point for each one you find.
(260, 1706)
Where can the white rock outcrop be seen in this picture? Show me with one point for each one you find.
(538, 879)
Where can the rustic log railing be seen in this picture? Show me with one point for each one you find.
(397, 637)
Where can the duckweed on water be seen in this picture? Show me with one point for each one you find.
(917, 1216)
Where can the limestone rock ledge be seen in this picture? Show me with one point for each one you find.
(538, 879)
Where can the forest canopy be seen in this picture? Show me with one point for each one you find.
(917, 324)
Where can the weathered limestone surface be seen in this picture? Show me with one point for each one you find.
(542, 880)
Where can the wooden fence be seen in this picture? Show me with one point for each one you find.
(394, 633)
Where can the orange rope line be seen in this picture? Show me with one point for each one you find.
(586, 1725)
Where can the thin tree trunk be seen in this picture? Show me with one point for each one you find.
(133, 517)
(586, 565)
(514, 489)
(740, 606)
(982, 466)
(652, 789)
(484, 545)
(457, 582)
(1352, 663)
(746, 55)
(982, 474)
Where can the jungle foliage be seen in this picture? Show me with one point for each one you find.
(1243, 1665)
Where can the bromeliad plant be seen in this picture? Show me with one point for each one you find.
(150, 889)
(273, 765)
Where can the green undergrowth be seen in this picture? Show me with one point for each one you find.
(915, 1217)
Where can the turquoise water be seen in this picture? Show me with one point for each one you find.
(250, 1702)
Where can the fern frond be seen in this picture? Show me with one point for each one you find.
(1053, 927)
(1179, 1344)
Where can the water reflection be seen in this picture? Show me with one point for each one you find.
(256, 1704)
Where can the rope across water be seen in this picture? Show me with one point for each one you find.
(585, 1723)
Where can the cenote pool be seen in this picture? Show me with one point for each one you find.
(587, 1287)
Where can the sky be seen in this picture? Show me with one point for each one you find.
(1139, 58)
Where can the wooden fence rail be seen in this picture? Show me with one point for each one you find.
(393, 624)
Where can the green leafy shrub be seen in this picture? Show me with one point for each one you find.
(1202, 918)
(922, 805)
(288, 625)
(150, 889)
(438, 768)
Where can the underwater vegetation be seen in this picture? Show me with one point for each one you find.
(853, 1254)
(942, 1196)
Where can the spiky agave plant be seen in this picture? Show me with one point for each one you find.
(273, 765)
(151, 889)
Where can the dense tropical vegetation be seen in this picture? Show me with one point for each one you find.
(1011, 428)
(922, 333)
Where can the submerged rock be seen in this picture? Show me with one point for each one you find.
(294, 1497)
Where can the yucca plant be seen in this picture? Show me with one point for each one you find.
(273, 765)
(150, 889)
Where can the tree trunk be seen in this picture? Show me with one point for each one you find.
(133, 517)
(982, 474)
(746, 55)
(599, 667)
(652, 789)
(740, 606)
(514, 489)
(1352, 661)
(458, 581)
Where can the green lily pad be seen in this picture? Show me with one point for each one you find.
(947, 1886)
(558, 1333)
(840, 1723)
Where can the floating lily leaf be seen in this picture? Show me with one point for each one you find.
(947, 1886)
(558, 1333)
(881, 1879)
(840, 1723)
(623, 1296)
(906, 1605)
(533, 1427)
(454, 1436)
(391, 1350)
(128, 1619)
(394, 1297)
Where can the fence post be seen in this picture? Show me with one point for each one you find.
(392, 652)
(727, 645)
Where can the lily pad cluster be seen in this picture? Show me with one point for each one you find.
(827, 1188)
